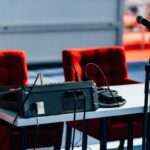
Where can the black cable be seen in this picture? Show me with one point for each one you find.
(103, 75)
(27, 96)
(99, 69)
(74, 113)
(86, 76)
(36, 132)
(73, 136)
(37, 129)
(84, 111)
(74, 119)
(84, 114)
(84, 123)
(146, 104)
(34, 110)
(36, 116)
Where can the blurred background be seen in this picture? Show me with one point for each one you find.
(45, 28)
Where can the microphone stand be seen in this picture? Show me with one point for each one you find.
(146, 135)
(145, 140)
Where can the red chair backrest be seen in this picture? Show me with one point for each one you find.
(13, 67)
(110, 59)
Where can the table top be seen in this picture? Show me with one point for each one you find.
(134, 95)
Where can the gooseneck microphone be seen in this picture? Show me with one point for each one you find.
(143, 21)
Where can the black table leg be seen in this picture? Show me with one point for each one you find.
(145, 141)
(23, 145)
(84, 135)
(130, 134)
(57, 147)
(68, 137)
(103, 128)
(84, 141)
(148, 136)
(121, 144)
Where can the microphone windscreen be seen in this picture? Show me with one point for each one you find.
(139, 19)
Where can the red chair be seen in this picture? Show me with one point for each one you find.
(136, 41)
(13, 68)
(13, 71)
(112, 61)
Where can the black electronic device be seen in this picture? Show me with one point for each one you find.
(9, 97)
(109, 98)
(106, 96)
(53, 99)
(143, 21)
(145, 138)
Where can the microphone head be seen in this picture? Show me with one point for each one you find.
(139, 19)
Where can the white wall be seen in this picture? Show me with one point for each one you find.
(44, 27)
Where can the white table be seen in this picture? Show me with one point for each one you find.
(134, 95)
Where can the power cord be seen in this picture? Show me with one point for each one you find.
(37, 129)
(84, 123)
(74, 119)
(87, 77)
(84, 112)
(103, 75)
(36, 116)
(74, 114)
(27, 96)
(99, 69)
(84, 117)
(35, 107)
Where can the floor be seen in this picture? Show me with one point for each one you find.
(111, 146)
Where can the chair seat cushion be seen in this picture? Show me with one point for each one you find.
(5, 138)
(41, 136)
